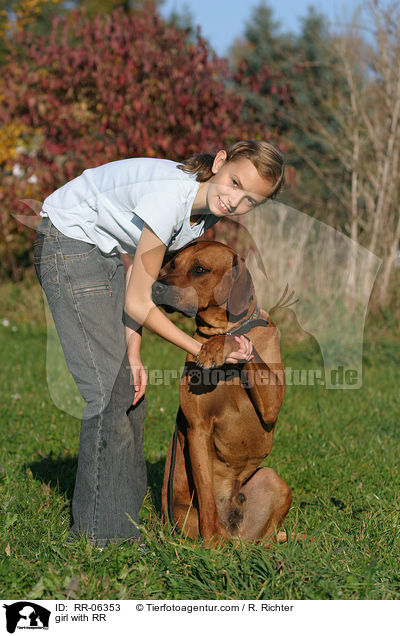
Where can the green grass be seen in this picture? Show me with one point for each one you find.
(338, 450)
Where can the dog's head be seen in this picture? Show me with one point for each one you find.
(205, 276)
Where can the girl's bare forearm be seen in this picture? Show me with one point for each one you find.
(154, 320)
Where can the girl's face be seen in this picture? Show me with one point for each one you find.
(235, 187)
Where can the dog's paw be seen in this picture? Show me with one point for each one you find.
(214, 351)
(216, 536)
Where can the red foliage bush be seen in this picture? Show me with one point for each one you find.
(94, 91)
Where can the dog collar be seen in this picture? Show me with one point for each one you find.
(253, 320)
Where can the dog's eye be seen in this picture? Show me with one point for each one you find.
(198, 270)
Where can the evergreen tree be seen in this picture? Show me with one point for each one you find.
(291, 79)
(260, 63)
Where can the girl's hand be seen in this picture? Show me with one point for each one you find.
(139, 376)
(245, 352)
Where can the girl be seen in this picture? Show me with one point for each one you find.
(146, 207)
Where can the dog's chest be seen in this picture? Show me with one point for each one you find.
(239, 436)
(238, 433)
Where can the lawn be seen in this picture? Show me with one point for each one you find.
(338, 450)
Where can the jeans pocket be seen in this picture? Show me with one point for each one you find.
(90, 272)
(47, 273)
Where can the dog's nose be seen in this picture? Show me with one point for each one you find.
(157, 291)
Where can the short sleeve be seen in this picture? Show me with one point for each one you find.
(162, 211)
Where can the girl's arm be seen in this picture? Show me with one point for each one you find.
(138, 299)
(133, 336)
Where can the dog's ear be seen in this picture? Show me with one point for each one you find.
(242, 289)
(222, 290)
(235, 288)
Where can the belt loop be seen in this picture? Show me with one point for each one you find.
(44, 226)
(53, 230)
(50, 229)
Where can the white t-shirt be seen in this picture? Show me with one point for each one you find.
(108, 205)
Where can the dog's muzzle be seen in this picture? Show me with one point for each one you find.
(172, 298)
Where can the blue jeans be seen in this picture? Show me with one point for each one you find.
(85, 290)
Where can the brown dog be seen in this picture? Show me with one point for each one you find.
(212, 482)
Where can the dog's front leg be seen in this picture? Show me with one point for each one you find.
(200, 451)
(265, 386)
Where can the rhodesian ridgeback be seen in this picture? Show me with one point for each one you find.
(213, 483)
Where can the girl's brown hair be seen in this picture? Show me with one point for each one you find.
(267, 159)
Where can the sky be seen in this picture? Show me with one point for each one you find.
(222, 21)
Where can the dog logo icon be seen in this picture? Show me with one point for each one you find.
(26, 615)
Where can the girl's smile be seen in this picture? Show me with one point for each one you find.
(224, 209)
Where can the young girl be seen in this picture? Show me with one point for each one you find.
(146, 207)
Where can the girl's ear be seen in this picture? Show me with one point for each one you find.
(219, 161)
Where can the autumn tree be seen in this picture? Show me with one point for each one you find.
(94, 8)
(23, 15)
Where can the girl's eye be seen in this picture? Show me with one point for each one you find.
(235, 183)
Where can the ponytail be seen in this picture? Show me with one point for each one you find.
(200, 164)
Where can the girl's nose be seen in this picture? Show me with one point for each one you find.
(235, 197)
